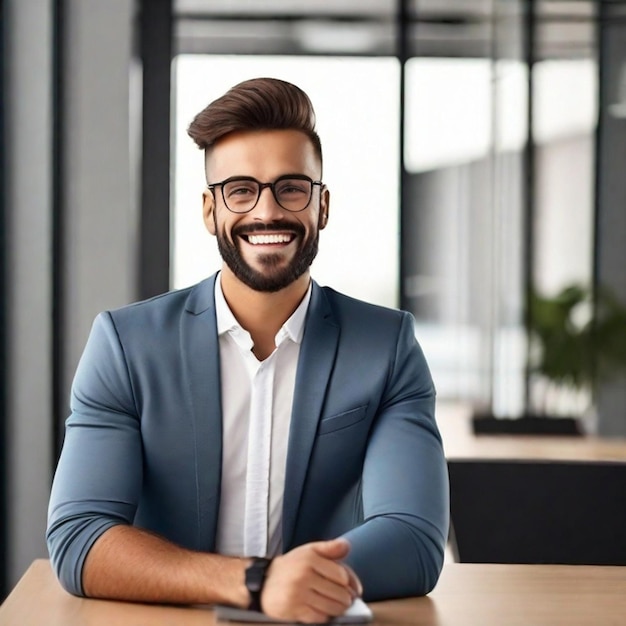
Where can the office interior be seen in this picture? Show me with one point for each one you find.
(500, 126)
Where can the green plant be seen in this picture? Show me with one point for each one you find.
(578, 338)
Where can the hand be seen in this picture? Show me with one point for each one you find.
(309, 584)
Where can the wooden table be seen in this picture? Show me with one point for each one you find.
(467, 595)
(461, 443)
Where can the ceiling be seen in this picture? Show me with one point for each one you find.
(440, 28)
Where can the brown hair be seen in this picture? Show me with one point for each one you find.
(256, 104)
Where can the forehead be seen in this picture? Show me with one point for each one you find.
(264, 154)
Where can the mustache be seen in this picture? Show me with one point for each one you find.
(275, 227)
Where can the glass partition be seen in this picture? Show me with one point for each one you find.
(564, 122)
(447, 235)
(493, 196)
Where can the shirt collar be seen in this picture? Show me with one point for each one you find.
(292, 328)
(226, 321)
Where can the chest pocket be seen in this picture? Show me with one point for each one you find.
(342, 420)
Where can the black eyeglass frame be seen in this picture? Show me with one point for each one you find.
(262, 186)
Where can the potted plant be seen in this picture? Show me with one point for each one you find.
(577, 338)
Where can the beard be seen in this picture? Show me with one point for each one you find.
(274, 278)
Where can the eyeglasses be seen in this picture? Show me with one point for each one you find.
(292, 192)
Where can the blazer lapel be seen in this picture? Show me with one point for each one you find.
(315, 363)
(200, 350)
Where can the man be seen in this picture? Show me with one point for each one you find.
(256, 439)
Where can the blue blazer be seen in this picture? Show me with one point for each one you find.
(365, 459)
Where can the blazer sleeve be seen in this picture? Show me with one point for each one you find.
(98, 478)
(398, 551)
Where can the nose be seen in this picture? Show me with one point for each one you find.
(267, 209)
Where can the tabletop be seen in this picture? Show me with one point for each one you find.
(460, 443)
(466, 595)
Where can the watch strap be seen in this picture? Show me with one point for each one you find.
(255, 579)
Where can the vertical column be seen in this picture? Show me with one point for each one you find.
(529, 187)
(3, 334)
(156, 54)
(28, 128)
(611, 193)
(402, 38)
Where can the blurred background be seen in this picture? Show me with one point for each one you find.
(475, 151)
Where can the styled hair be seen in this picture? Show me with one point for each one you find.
(256, 104)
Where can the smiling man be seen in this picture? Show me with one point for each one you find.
(256, 439)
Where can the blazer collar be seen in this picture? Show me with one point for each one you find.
(202, 297)
(317, 356)
(200, 352)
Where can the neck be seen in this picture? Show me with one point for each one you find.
(261, 313)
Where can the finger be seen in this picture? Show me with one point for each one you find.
(325, 605)
(310, 616)
(338, 594)
(355, 583)
(331, 570)
(334, 549)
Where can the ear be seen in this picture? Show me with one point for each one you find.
(324, 207)
(208, 206)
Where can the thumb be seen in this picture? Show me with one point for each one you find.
(334, 549)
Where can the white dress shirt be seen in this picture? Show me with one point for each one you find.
(257, 397)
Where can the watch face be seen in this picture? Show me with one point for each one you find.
(255, 575)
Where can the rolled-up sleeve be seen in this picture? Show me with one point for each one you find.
(98, 477)
(398, 551)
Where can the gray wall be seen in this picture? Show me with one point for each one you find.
(29, 166)
(97, 229)
(99, 207)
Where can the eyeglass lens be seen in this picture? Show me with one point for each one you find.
(292, 194)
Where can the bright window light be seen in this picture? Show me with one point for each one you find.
(357, 106)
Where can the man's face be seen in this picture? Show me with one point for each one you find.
(265, 263)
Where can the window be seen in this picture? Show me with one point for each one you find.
(359, 248)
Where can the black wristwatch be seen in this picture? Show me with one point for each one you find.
(255, 579)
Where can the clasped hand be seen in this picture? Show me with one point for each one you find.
(310, 584)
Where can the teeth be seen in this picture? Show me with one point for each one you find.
(265, 239)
